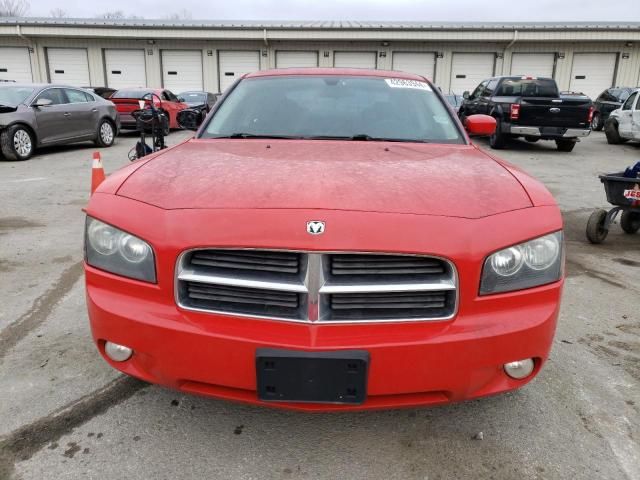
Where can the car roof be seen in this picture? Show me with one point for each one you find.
(348, 72)
(38, 85)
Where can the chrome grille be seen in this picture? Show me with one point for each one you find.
(317, 287)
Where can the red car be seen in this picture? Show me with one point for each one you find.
(329, 240)
(127, 100)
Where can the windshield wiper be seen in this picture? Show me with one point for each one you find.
(363, 137)
(255, 135)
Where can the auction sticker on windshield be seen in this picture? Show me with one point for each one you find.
(405, 83)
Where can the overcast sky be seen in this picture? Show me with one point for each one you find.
(425, 10)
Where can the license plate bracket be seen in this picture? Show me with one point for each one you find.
(316, 377)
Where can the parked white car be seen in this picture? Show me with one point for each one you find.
(624, 123)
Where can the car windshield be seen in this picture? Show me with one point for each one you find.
(193, 98)
(526, 87)
(334, 107)
(131, 93)
(13, 96)
(620, 93)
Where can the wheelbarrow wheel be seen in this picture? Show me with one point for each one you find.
(596, 231)
(630, 222)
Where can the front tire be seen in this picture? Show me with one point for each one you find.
(596, 122)
(17, 143)
(498, 140)
(611, 131)
(596, 232)
(106, 134)
(566, 145)
(630, 222)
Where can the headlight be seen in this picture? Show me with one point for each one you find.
(115, 251)
(529, 264)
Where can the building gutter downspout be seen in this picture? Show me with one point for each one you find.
(515, 39)
(264, 32)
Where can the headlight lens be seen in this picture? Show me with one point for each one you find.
(115, 251)
(529, 264)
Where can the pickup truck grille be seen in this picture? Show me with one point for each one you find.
(317, 287)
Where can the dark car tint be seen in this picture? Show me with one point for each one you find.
(194, 98)
(539, 87)
(337, 107)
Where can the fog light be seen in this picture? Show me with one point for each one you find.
(117, 353)
(519, 369)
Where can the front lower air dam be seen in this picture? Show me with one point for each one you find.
(117, 353)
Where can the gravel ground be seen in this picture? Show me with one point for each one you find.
(64, 414)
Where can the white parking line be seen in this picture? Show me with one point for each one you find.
(22, 180)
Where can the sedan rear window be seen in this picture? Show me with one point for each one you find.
(536, 87)
(14, 96)
(131, 93)
(334, 107)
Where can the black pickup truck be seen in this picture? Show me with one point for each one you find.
(530, 107)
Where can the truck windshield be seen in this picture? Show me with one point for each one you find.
(334, 107)
(520, 87)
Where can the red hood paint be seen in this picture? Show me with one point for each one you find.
(407, 178)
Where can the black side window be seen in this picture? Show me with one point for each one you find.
(491, 87)
(56, 95)
(627, 105)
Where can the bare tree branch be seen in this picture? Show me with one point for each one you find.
(183, 14)
(14, 8)
(58, 13)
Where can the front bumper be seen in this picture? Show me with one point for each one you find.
(548, 132)
(422, 363)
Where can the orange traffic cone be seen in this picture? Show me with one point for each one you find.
(97, 172)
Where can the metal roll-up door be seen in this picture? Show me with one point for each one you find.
(291, 59)
(232, 64)
(354, 59)
(469, 69)
(534, 64)
(182, 70)
(591, 73)
(15, 64)
(69, 66)
(419, 63)
(125, 68)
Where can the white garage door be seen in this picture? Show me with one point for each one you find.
(354, 59)
(182, 70)
(469, 69)
(592, 73)
(289, 59)
(15, 64)
(69, 66)
(534, 64)
(232, 64)
(125, 68)
(415, 62)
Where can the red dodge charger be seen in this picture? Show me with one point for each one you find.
(330, 239)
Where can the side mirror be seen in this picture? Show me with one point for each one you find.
(480, 125)
(466, 95)
(189, 119)
(42, 102)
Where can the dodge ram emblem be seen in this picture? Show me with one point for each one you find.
(315, 227)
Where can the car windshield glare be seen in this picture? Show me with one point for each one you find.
(334, 107)
(13, 96)
(194, 97)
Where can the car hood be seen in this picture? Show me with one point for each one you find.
(407, 178)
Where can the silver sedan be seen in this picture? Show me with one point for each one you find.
(38, 115)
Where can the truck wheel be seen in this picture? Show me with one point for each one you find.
(596, 122)
(630, 221)
(498, 140)
(532, 139)
(596, 233)
(17, 143)
(566, 145)
(611, 131)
